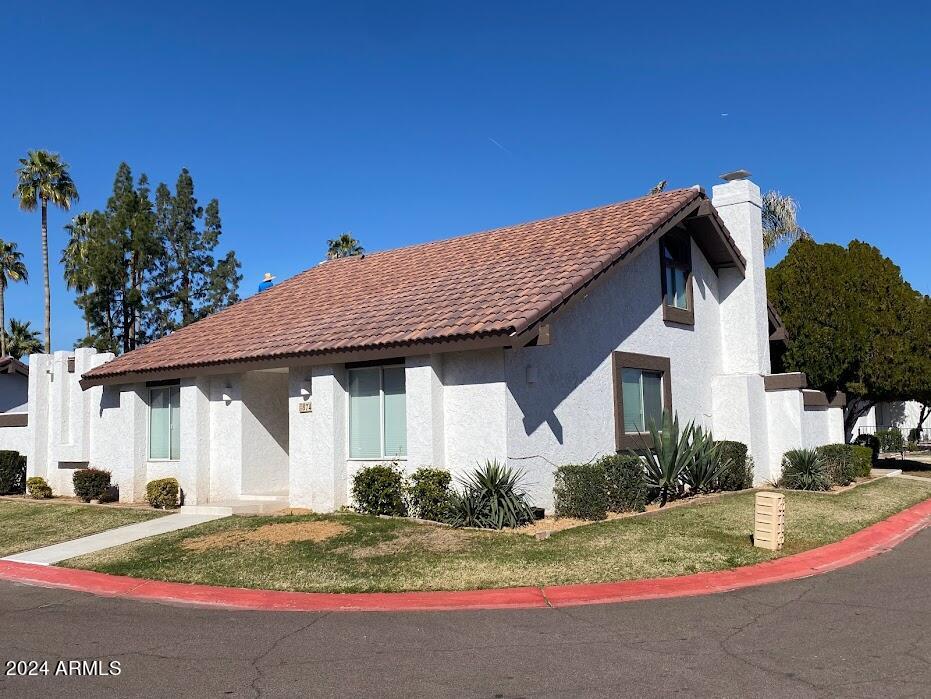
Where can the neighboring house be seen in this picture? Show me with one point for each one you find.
(902, 414)
(14, 385)
(14, 418)
(539, 344)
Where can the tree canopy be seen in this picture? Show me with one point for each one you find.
(854, 324)
(141, 269)
(344, 246)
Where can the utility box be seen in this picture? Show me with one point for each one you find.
(769, 521)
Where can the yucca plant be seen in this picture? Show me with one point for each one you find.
(703, 472)
(805, 469)
(491, 498)
(666, 460)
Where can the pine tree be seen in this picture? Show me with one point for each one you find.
(187, 282)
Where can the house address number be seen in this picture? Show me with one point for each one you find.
(305, 407)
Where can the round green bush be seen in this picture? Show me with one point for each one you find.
(38, 488)
(12, 472)
(379, 490)
(91, 483)
(428, 494)
(162, 493)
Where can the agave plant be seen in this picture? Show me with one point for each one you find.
(666, 460)
(491, 498)
(701, 474)
(805, 469)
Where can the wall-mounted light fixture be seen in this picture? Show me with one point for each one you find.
(227, 391)
(307, 388)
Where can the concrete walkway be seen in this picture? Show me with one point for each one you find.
(47, 555)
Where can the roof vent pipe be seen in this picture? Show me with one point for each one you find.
(735, 175)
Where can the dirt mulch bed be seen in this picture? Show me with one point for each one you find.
(284, 533)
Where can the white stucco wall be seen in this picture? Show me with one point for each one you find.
(567, 414)
(265, 433)
(15, 439)
(474, 409)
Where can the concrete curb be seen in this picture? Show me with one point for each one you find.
(866, 543)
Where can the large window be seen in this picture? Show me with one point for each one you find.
(165, 423)
(642, 391)
(377, 413)
(676, 264)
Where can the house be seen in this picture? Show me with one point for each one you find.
(14, 391)
(906, 415)
(539, 344)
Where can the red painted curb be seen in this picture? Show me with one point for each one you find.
(866, 543)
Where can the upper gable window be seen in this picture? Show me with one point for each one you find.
(676, 267)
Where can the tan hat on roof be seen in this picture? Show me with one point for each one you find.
(268, 277)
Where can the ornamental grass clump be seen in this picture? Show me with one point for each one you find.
(491, 497)
(805, 469)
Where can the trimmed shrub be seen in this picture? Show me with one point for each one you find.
(862, 458)
(492, 497)
(162, 493)
(890, 440)
(428, 494)
(12, 472)
(736, 469)
(626, 485)
(805, 469)
(38, 488)
(912, 445)
(840, 462)
(581, 491)
(379, 490)
(870, 441)
(91, 483)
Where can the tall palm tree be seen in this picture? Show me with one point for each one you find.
(344, 246)
(22, 339)
(74, 258)
(12, 269)
(779, 220)
(42, 179)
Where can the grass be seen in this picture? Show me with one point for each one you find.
(372, 554)
(29, 524)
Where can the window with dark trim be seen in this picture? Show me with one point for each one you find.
(642, 391)
(675, 250)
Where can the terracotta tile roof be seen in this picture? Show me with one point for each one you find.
(490, 284)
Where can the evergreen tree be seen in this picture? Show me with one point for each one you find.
(187, 282)
(107, 259)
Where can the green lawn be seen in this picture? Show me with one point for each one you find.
(28, 524)
(368, 553)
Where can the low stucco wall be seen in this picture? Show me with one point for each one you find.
(15, 439)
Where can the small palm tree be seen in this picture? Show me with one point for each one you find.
(44, 178)
(779, 220)
(12, 269)
(74, 258)
(22, 339)
(344, 246)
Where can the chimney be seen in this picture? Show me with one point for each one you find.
(744, 317)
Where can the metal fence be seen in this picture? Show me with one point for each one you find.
(924, 435)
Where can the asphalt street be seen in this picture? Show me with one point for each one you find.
(863, 631)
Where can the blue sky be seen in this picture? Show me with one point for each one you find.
(404, 122)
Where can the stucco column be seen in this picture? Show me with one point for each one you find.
(195, 440)
(423, 378)
(740, 414)
(317, 438)
(744, 316)
(37, 462)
